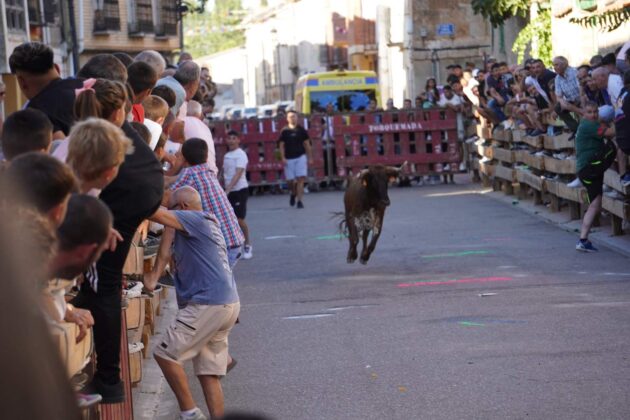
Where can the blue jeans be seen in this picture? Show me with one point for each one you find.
(493, 104)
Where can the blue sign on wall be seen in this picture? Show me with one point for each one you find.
(445, 29)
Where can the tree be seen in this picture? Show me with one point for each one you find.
(210, 32)
(607, 21)
(537, 33)
(498, 11)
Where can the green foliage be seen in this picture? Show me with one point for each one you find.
(538, 30)
(607, 21)
(210, 32)
(498, 11)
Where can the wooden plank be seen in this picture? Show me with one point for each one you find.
(517, 135)
(74, 355)
(135, 313)
(505, 173)
(536, 142)
(611, 178)
(559, 166)
(558, 142)
(534, 181)
(502, 154)
(572, 194)
(135, 367)
(501, 134)
(530, 160)
(616, 207)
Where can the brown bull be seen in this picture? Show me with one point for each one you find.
(365, 201)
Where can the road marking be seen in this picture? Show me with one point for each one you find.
(280, 237)
(487, 294)
(458, 281)
(456, 254)
(471, 324)
(343, 308)
(327, 237)
(505, 267)
(587, 304)
(308, 316)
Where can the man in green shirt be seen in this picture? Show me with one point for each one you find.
(594, 156)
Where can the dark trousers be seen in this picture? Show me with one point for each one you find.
(105, 304)
(567, 118)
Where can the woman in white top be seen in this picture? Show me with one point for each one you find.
(236, 187)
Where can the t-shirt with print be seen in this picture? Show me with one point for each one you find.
(202, 271)
(232, 161)
(56, 100)
(589, 140)
(293, 139)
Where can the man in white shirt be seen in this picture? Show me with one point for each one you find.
(236, 186)
(449, 100)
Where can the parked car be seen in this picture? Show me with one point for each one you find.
(266, 111)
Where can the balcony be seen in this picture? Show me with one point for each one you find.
(139, 28)
(107, 17)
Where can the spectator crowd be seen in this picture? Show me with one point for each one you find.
(90, 159)
(85, 165)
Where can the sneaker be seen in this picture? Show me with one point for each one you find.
(585, 246)
(112, 394)
(247, 252)
(196, 415)
(615, 195)
(88, 400)
(292, 200)
(625, 180)
(576, 183)
(300, 205)
(151, 246)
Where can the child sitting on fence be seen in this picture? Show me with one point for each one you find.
(594, 155)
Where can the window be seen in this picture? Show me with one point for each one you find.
(140, 16)
(342, 100)
(167, 18)
(15, 15)
(34, 12)
(106, 15)
(52, 14)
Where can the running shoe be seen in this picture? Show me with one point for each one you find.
(585, 246)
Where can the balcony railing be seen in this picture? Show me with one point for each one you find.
(107, 17)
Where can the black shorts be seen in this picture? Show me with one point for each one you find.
(592, 175)
(624, 143)
(238, 200)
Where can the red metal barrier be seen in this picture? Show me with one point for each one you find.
(426, 139)
(259, 139)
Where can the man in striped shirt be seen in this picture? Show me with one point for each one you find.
(198, 174)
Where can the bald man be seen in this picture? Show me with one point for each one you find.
(207, 297)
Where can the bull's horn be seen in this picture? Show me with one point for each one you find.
(362, 172)
(395, 169)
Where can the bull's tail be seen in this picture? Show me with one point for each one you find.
(340, 217)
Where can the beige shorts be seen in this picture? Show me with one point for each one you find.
(200, 333)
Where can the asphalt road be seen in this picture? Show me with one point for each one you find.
(468, 309)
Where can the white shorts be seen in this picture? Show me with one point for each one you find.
(295, 168)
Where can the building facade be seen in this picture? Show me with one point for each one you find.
(106, 26)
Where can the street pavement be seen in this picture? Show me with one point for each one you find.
(468, 309)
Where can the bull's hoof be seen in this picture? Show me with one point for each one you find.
(351, 260)
(363, 261)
